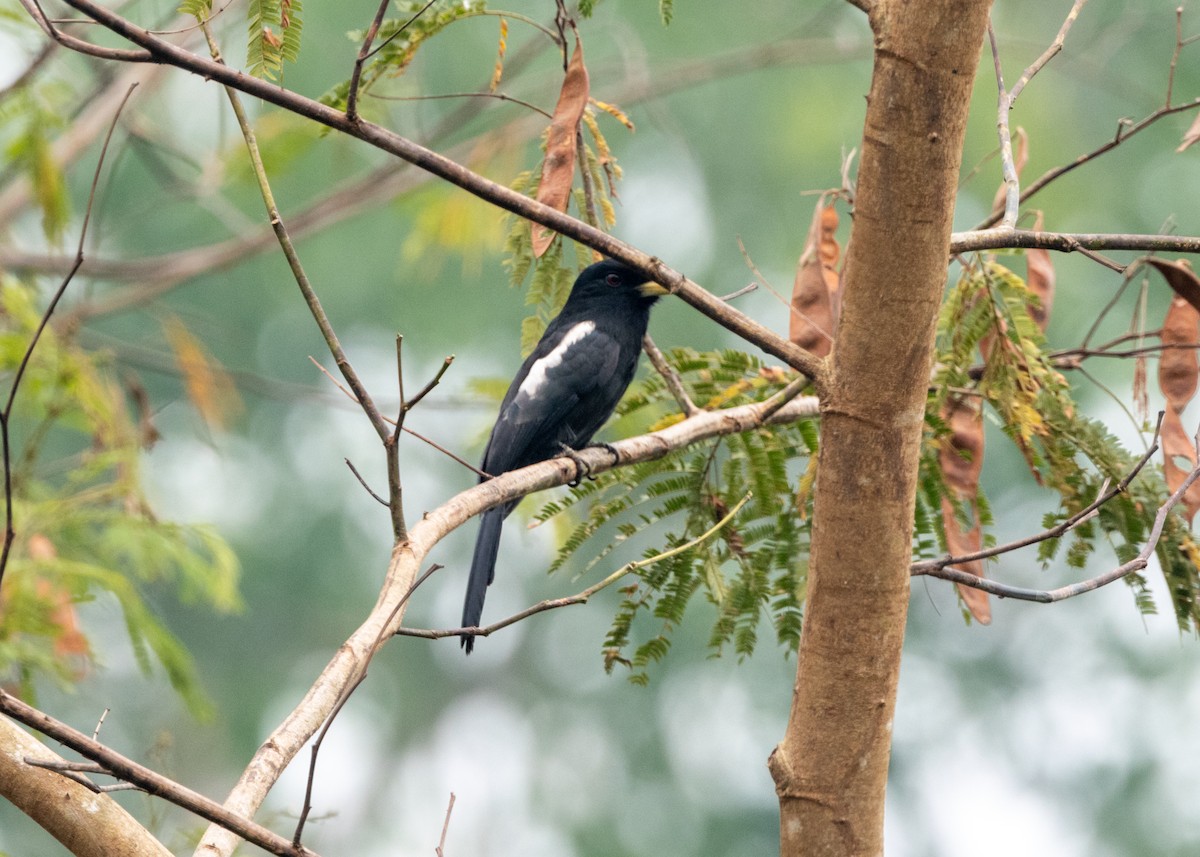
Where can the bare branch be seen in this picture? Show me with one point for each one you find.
(670, 377)
(158, 274)
(1050, 53)
(150, 781)
(1070, 242)
(441, 846)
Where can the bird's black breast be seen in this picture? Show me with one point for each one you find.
(564, 392)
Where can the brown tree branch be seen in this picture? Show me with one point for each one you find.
(86, 823)
(146, 779)
(157, 275)
(458, 175)
(1069, 242)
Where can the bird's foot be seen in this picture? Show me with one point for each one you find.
(611, 450)
(581, 468)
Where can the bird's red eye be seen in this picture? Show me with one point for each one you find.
(613, 279)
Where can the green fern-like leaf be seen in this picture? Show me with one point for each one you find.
(198, 9)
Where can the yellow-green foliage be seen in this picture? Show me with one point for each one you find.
(83, 529)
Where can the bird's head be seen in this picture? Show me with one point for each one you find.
(609, 280)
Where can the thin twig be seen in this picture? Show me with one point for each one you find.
(1008, 169)
(1179, 43)
(363, 54)
(293, 259)
(737, 293)
(391, 446)
(437, 379)
(441, 846)
(19, 374)
(363, 482)
(1055, 47)
(499, 96)
(406, 429)
(100, 724)
(670, 376)
(766, 284)
(581, 597)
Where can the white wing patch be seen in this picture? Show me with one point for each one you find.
(537, 372)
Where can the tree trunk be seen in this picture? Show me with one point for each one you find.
(830, 769)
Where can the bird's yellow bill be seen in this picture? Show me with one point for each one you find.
(651, 288)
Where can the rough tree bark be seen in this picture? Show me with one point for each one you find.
(831, 767)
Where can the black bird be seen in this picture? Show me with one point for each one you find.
(563, 393)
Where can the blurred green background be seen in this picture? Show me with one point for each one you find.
(1065, 730)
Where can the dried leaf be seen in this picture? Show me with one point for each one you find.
(208, 386)
(961, 455)
(960, 542)
(961, 461)
(68, 638)
(815, 290)
(1180, 277)
(1141, 389)
(1178, 373)
(1178, 366)
(558, 168)
(1039, 276)
(1179, 448)
(1192, 135)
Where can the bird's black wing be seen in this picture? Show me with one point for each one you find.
(559, 397)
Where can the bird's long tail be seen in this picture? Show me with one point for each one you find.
(483, 570)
